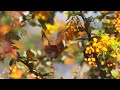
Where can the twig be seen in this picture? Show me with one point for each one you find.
(99, 66)
(31, 70)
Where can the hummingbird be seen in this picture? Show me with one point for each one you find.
(55, 48)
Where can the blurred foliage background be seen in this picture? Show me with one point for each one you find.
(59, 44)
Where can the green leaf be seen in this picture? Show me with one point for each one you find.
(114, 73)
(110, 17)
(23, 66)
(31, 66)
(11, 62)
(32, 23)
(98, 18)
(114, 47)
(102, 29)
(106, 24)
(6, 19)
(103, 55)
(105, 69)
(14, 36)
(39, 69)
(68, 17)
(96, 32)
(42, 24)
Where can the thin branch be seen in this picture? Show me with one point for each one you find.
(31, 70)
(99, 66)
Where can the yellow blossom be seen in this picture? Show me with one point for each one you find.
(118, 21)
(52, 28)
(93, 59)
(104, 49)
(113, 54)
(94, 44)
(15, 73)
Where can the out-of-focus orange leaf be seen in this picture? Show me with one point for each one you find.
(8, 49)
(14, 14)
(30, 54)
(4, 29)
(18, 44)
(80, 34)
(16, 23)
(69, 61)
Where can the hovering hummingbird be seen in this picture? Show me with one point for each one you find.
(55, 48)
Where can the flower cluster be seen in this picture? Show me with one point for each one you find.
(44, 15)
(105, 45)
(116, 21)
(74, 29)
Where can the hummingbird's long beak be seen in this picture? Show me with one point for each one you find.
(44, 37)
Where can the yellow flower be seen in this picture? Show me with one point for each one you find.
(97, 50)
(118, 21)
(52, 28)
(93, 50)
(89, 59)
(88, 48)
(85, 59)
(86, 52)
(16, 73)
(93, 59)
(95, 39)
(99, 46)
(94, 44)
(90, 63)
(37, 17)
(89, 52)
(105, 37)
(113, 54)
(104, 49)
(44, 15)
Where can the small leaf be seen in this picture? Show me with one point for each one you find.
(42, 24)
(31, 66)
(32, 23)
(113, 47)
(106, 24)
(96, 32)
(6, 19)
(110, 17)
(114, 73)
(14, 36)
(68, 17)
(11, 62)
(15, 47)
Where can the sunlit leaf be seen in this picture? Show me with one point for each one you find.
(114, 73)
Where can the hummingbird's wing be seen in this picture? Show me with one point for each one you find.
(45, 39)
